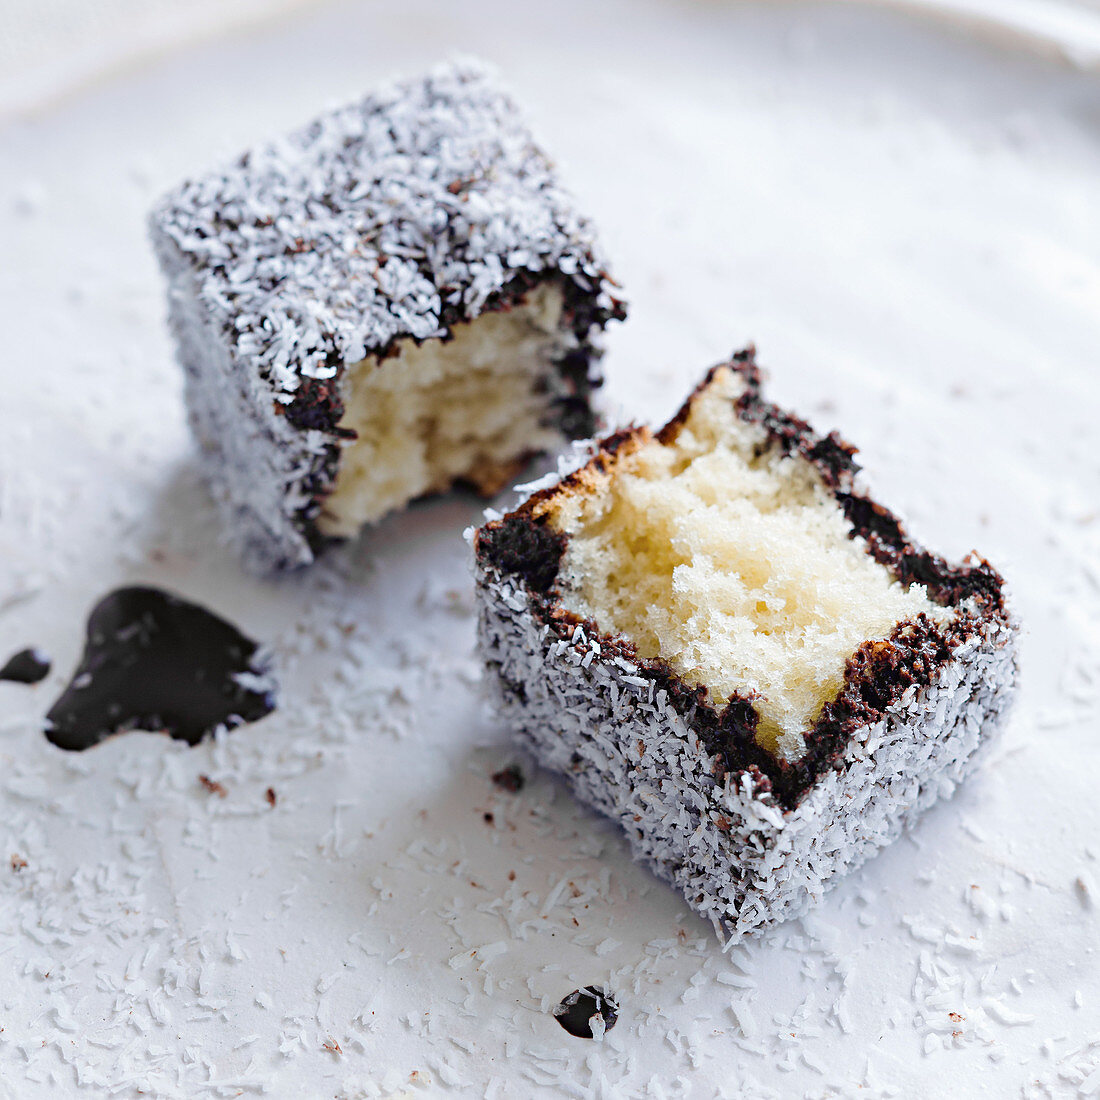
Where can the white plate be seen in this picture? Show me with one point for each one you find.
(904, 214)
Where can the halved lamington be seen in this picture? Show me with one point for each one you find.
(738, 655)
(397, 297)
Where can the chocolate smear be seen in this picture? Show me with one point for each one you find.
(588, 1013)
(28, 666)
(155, 661)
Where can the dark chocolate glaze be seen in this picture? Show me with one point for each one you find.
(317, 404)
(576, 1011)
(155, 661)
(523, 544)
(28, 666)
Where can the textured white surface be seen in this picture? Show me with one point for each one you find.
(49, 48)
(905, 220)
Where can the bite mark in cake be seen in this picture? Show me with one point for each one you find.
(471, 409)
(732, 562)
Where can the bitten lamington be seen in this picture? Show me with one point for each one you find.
(730, 649)
(395, 298)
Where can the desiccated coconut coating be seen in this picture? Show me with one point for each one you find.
(749, 835)
(390, 220)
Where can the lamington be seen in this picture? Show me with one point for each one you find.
(731, 649)
(398, 297)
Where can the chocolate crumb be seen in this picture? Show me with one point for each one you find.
(588, 1013)
(269, 794)
(488, 817)
(28, 666)
(17, 863)
(213, 786)
(509, 779)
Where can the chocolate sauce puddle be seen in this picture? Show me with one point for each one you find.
(155, 661)
(28, 666)
(588, 1013)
